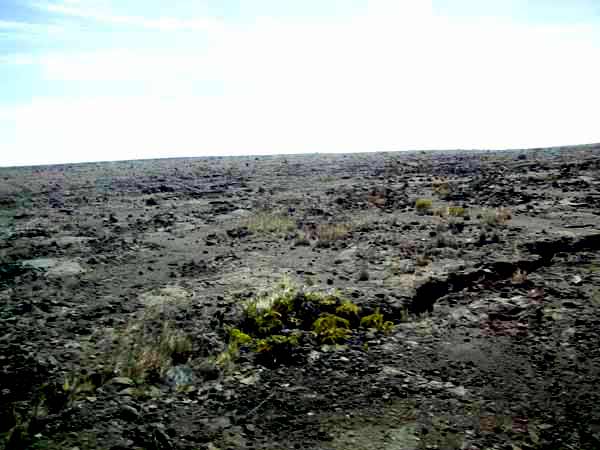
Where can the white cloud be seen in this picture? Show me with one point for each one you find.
(393, 79)
(27, 27)
(74, 9)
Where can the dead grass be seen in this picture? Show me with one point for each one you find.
(269, 222)
(332, 232)
(144, 347)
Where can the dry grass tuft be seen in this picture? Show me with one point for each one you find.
(146, 348)
(269, 222)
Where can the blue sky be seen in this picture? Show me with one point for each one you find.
(86, 80)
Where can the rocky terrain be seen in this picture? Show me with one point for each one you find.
(461, 292)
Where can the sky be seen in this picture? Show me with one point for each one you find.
(94, 80)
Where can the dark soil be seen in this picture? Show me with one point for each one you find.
(496, 306)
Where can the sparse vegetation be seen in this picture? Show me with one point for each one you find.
(277, 322)
(142, 310)
(423, 205)
(348, 309)
(456, 211)
(327, 232)
(270, 222)
(145, 347)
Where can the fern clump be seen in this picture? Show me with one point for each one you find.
(348, 309)
(375, 321)
(276, 324)
(332, 329)
(237, 339)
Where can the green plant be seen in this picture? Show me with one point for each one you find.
(375, 321)
(237, 338)
(348, 309)
(276, 342)
(332, 329)
(423, 205)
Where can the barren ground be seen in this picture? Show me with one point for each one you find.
(493, 289)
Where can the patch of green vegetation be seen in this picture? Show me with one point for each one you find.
(423, 205)
(376, 321)
(269, 222)
(277, 348)
(237, 339)
(348, 309)
(276, 324)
